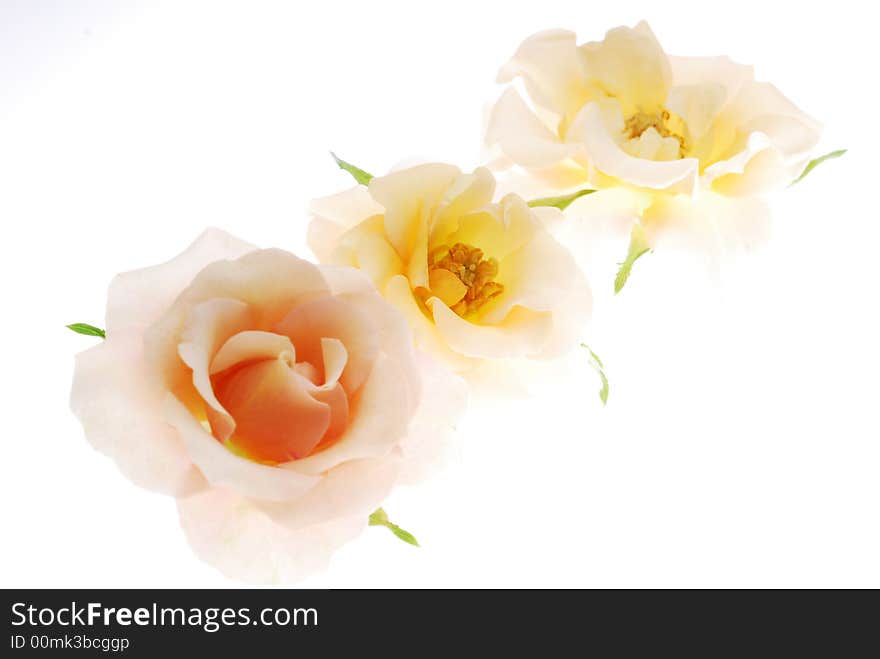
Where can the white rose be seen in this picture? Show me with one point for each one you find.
(682, 144)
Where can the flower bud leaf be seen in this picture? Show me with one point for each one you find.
(88, 330)
(638, 245)
(380, 518)
(357, 173)
(561, 202)
(599, 367)
(815, 162)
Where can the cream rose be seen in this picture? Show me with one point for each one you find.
(477, 280)
(279, 401)
(683, 142)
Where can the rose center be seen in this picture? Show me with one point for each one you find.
(664, 122)
(462, 277)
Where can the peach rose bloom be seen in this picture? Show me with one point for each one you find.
(279, 401)
(477, 280)
(683, 144)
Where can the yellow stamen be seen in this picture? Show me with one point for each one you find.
(472, 270)
(666, 125)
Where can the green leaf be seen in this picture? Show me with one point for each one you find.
(88, 330)
(638, 245)
(380, 518)
(406, 536)
(816, 162)
(357, 173)
(599, 367)
(562, 202)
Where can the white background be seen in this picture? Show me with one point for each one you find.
(740, 444)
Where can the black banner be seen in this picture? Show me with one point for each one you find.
(144, 623)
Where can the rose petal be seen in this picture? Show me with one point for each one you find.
(428, 443)
(223, 468)
(409, 197)
(417, 268)
(447, 286)
(379, 417)
(366, 247)
(392, 331)
(500, 230)
(335, 398)
(551, 69)
(571, 316)
(468, 192)
(327, 317)
(712, 223)
(538, 276)
(522, 136)
(322, 237)
(231, 533)
(277, 419)
(269, 281)
(346, 209)
(522, 333)
(765, 170)
(736, 164)
(138, 298)
(208, 327)
(758, 99)
(121, 412)
(595, 219)
(606, 212)
(631, 66)
(760, 116)
(334, 358)
(426, 334)
(611, 159)
(532, 183)
(251, 346)
(702, 88)
(355, 487)
(688, 71)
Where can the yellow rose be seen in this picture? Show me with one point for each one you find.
(682, 142)
(477, 280)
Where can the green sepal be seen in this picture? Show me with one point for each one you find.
(562, 202)
(638, 245)
(599, 367)
(357, 173)
(815, 162)
(88, 330)
(380, 518)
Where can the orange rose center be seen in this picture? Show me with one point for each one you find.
(286, 392)
(280, 412)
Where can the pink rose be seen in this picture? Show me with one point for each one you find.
(279, 401)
